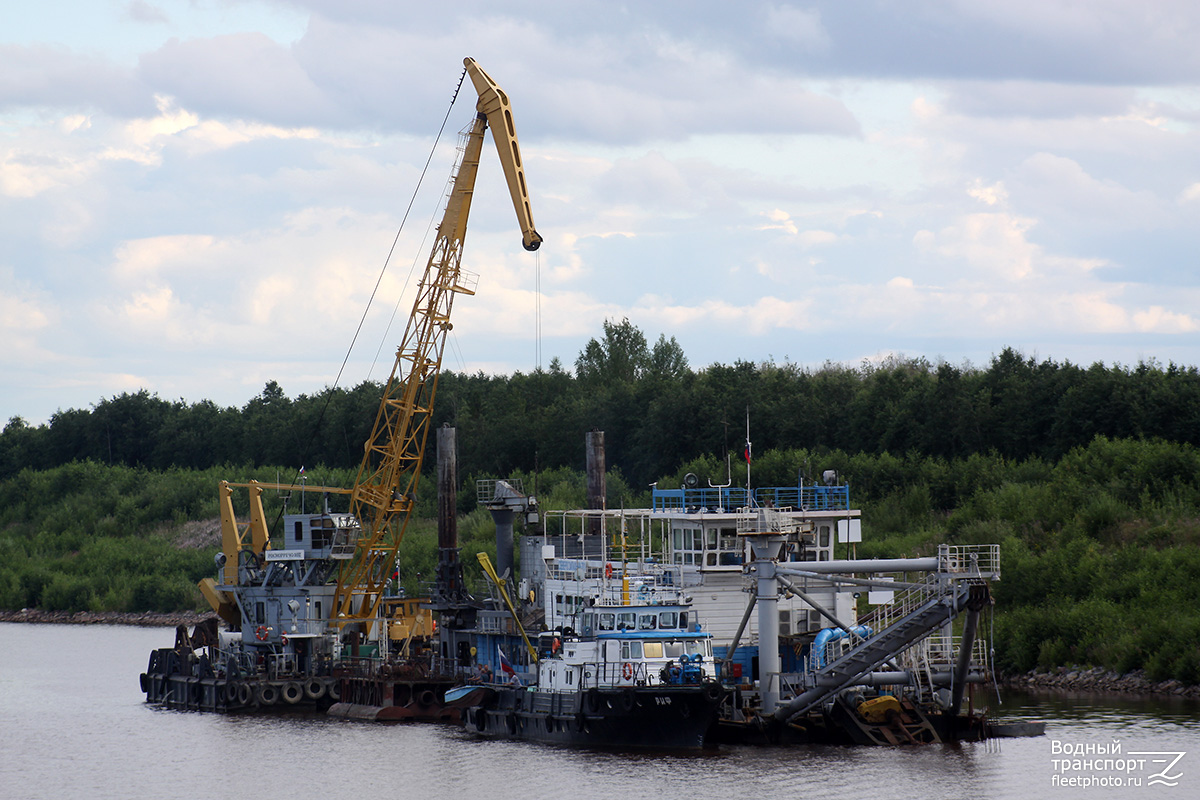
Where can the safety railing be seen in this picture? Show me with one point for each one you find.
(980, 561)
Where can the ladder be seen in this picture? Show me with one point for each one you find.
(888, 643)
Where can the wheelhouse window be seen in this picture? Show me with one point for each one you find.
(689, 546)
(626, 621)
(647, 622)
(668, 619)
(608, 622)
(708, 547)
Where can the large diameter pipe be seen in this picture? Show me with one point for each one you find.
(874, 565)
(768, 636)
(880, 584)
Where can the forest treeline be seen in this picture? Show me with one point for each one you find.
(656, 411)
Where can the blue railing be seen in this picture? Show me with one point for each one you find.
(808, 498)
(726, 499)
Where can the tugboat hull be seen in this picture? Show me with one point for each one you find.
(652, 717)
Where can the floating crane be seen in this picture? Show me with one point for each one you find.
(385, 489)
(362, 545)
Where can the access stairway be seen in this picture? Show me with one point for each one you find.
(887, 644)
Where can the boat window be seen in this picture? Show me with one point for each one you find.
(647, 622)
(824, 536)
(299, 530)
(710, 538)
(683, 620)
(695, 647)
(689, 545)
(667, 619)
(608, 622)
(673, 649)
(654, 650)
(631, 651)
(626, 621)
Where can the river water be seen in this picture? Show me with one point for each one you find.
(73, 724)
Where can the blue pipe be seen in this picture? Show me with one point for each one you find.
(827, 635)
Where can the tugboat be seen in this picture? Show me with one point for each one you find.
(635, 675)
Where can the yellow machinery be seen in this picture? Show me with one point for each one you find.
(385, 490)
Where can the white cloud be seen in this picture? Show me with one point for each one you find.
(798, 26)
(990, 195)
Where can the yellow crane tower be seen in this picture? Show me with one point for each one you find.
(385, 489)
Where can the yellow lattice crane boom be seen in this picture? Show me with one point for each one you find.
(385, 490)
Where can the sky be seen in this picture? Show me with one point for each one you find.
(200, 196)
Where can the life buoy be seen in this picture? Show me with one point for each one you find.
(608, 570)
(627, 671)
(262, 632)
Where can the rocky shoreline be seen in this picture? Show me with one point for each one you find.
(1097, 680)
(148, 619)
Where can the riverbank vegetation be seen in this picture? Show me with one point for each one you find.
(1086, 477)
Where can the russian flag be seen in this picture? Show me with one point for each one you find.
(505, 665)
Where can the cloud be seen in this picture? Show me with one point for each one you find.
(1031, 98)
(141, 11)
(797, 26)
(46, 76)
(244, 75)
